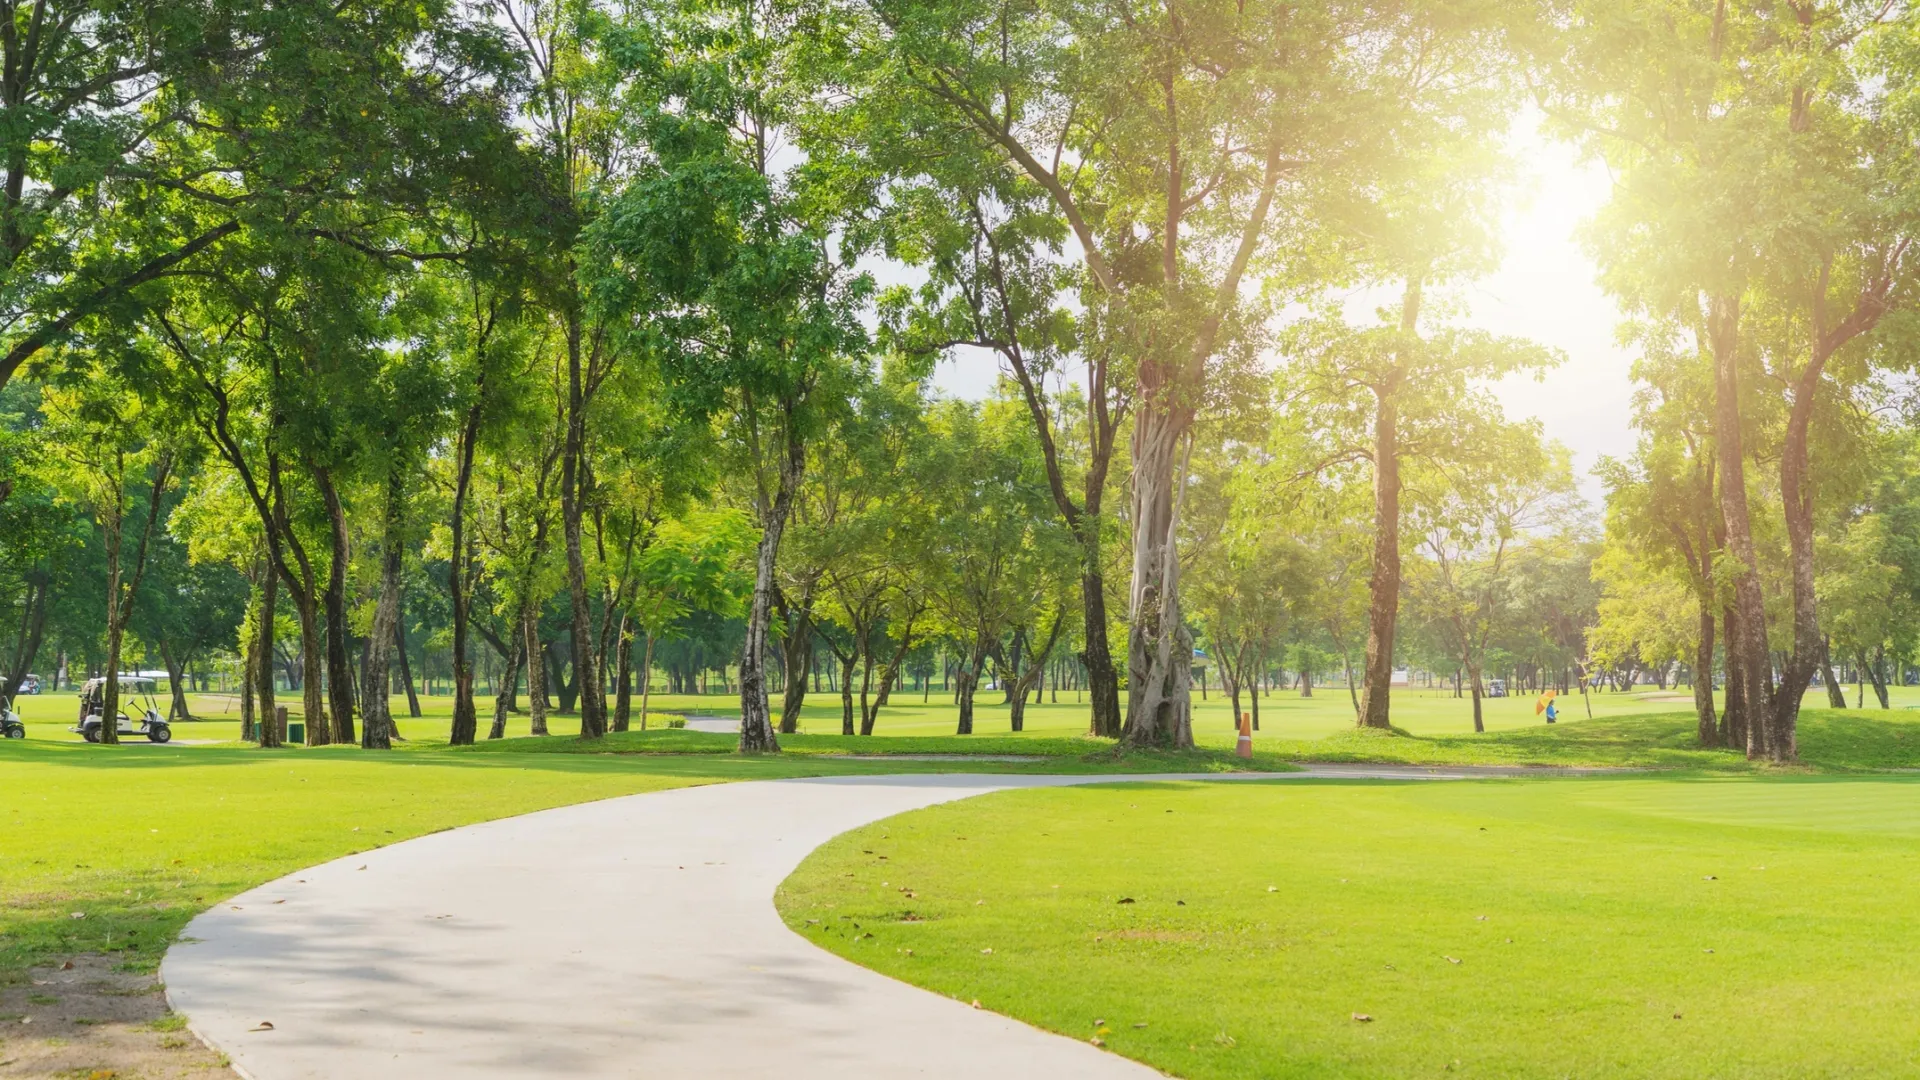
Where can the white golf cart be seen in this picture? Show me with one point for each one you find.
(10, 725)
(93, 703)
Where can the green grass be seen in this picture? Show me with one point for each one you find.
(1667, 926)
(1284, 715)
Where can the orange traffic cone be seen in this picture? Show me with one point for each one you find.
(1245, 747)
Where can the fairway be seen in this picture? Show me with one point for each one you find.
(1626, 927)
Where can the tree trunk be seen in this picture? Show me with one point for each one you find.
(866, 684)
(270, 734)
(1383, 588)
(1159, 649)
(110, 530)
(646, 682)
(889, 675)
(756, 720)
(339, 677)
(466, 717)
(503, 697)
(1877, 673)
(33, 624)
(312, 703)
(966, 680)
(1733, 715)
(376, 719)
(623, 676)
(847, 660)
(1096, 657)
(406, 662)
(1836, 695)
(1709, 725)
(536, 671)
(593, 714)
(1809, 645)
(176, 675)
(1473, 674)
(1749, 643)
(797, 653)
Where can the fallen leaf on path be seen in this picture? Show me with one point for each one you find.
(68, 966)
(976, 1003)
(265, 1025)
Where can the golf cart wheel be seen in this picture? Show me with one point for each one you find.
(91, 734)
(16, 731)
(159, 733)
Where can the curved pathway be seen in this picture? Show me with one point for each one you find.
(634, 937)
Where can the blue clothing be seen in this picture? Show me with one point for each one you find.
(1551, 712)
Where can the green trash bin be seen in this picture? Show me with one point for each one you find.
(296, 733)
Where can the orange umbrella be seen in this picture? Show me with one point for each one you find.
(1541, 705)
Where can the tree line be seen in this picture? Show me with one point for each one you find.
(606, 321)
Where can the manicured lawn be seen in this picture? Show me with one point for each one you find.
(1667, 926)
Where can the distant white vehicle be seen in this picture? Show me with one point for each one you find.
(1497, 688)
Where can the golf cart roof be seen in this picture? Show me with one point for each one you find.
(136, 682)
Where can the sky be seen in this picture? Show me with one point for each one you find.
(1544, 290)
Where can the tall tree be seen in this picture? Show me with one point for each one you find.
(1763, 206)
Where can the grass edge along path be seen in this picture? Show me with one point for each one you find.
(1667, 926)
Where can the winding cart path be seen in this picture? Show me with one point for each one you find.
(634, 937)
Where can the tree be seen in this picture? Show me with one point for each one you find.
(993, 251)
(728, 274)
(1165, 141)
(1470, 543)
(107, 451)
(1762, 209)
(1663, 516)
(42, 535)
(998, 560)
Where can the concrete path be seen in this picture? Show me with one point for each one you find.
(634, 937)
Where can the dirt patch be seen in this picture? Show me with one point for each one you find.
(93, 1022)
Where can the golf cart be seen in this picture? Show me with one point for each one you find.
(93, 702)
(10, 725)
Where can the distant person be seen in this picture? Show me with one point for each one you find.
(1552, 712)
